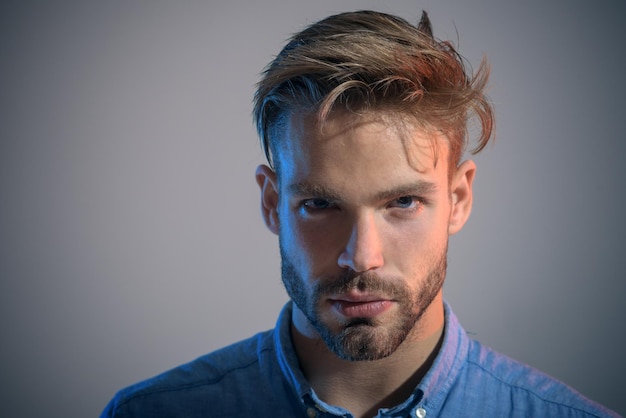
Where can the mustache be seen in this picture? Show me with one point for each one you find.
(370, 282)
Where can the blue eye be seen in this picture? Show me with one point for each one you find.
(405, 202)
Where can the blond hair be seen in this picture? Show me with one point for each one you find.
(369, 61)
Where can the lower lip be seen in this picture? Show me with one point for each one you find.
(362, 309)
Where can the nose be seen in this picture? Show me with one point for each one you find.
(364, 250)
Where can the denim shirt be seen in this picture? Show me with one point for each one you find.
(260, 377)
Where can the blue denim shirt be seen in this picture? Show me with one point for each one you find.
(260, 377)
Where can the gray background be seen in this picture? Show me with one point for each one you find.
(130, 234)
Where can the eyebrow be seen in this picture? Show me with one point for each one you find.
(420, 188)
(308, 189)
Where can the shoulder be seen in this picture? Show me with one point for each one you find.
(528, 388)
(199, 383)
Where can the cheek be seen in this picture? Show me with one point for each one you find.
(414, 247)
(313, 247)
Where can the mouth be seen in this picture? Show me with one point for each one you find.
(360, 306)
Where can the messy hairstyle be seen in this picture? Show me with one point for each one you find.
(368, 61)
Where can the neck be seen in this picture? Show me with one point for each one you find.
(363, 387)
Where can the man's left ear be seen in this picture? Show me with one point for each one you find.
(461, 193)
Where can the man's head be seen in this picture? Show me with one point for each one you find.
(355, 113)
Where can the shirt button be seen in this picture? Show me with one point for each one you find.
(312, 413)
(420, 413)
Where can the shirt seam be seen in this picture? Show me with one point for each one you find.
(190, 385)
(533, 393)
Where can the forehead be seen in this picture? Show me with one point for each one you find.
(363, 135)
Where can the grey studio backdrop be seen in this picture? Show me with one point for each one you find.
(130, 232)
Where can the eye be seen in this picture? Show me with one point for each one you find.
(316, 204)
(406, 202)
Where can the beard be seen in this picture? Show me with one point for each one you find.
(359, 339)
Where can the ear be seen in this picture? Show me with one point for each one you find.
(461, 194)
(267, 181)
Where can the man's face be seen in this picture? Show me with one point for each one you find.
(363, 230)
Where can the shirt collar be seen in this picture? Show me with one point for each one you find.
(430, 392)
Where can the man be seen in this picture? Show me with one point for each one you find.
(363, 118)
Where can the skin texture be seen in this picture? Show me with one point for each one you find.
(363, 215)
